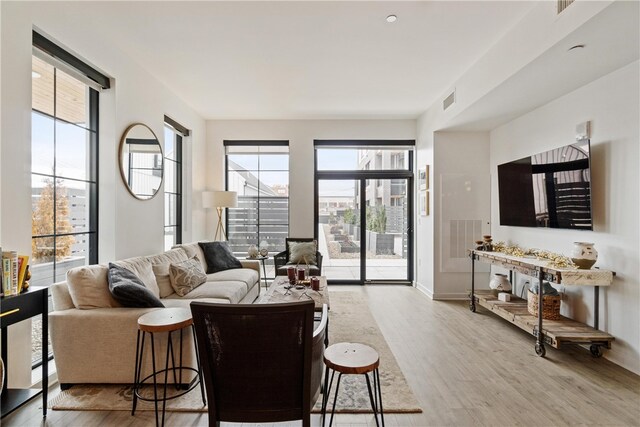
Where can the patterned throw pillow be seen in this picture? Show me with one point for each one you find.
(187, 275)
(303, 252)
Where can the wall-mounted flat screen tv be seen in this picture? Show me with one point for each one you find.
(550, 189)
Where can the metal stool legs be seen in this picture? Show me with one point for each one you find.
(375, 396)
(138, 381)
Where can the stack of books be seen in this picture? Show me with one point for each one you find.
(14, 268)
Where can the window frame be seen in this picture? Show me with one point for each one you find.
(179, 132)
(92, 167)
(258, 144)
(61, 60)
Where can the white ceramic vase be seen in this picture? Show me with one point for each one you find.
(500, 283)
(584, 255)
(252, 252)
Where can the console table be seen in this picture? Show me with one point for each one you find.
(15, 309)
(552, 332)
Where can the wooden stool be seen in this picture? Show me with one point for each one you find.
(352, 358)
(164, 320)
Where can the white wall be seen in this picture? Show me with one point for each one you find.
(611, 104)
(300, 134)
(461, 192)
(127, 226)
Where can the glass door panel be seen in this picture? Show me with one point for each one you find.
(339, 228)
(387, 243)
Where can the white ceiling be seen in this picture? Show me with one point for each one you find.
(611, 40)
(290, 60)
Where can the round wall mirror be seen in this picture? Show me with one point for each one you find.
(141, 161)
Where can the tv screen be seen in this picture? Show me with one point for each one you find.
(550, 189)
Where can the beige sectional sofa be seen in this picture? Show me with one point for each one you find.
(94, 338)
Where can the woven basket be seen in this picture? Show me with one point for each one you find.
(550, 306)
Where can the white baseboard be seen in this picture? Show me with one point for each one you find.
(451, 296)
(428, 292)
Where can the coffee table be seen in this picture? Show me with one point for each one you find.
(277, 293)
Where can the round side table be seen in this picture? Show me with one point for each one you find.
(164, 320)
(352, 358)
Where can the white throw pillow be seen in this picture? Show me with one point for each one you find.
(89, 288)
(303, 252)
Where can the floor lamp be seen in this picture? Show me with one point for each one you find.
(219, 200)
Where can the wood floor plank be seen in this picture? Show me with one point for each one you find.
(464, 368)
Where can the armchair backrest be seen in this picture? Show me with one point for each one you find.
(295, 240)
(256, 360)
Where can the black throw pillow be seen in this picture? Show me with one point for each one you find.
(218, 256)
(128, 289)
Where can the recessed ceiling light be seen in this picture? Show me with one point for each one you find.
(392, 18)
(35, 75)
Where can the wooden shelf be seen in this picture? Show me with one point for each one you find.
(553, 332)
(530, 267)
(556, 332)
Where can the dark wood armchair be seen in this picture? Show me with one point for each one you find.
(255, 366)
(282, 260)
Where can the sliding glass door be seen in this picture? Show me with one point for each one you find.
(338, 230)
(364, 212)
(386, 226)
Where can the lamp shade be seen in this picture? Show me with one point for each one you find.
(219, 199)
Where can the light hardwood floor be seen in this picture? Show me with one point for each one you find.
(464, 368)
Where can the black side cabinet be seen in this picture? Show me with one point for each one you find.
(14, 309)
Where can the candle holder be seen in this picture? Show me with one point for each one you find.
(291, 275)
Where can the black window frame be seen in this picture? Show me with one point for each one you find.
(180, 132)
(256, 143)
(54, 55)
(364, 177)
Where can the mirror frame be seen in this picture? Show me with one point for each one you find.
(121, 163)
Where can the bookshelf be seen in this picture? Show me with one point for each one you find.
(14, 309)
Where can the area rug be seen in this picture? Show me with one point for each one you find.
(349, 321)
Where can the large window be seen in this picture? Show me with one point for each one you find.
(173, 135)
(64, 165)
(259, 172)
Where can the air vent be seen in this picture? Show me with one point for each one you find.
(563, 4)
(449, 100)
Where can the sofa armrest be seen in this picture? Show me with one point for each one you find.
(253, 264)
(61, 296)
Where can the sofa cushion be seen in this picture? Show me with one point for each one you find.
(141, 267)
(89, 287)
(232, 291)
(191, 250)
(186, 275)
(245, 275)
(219, 256)
(160, 266)
(303, 252)
(129, 290)
(184, 302)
